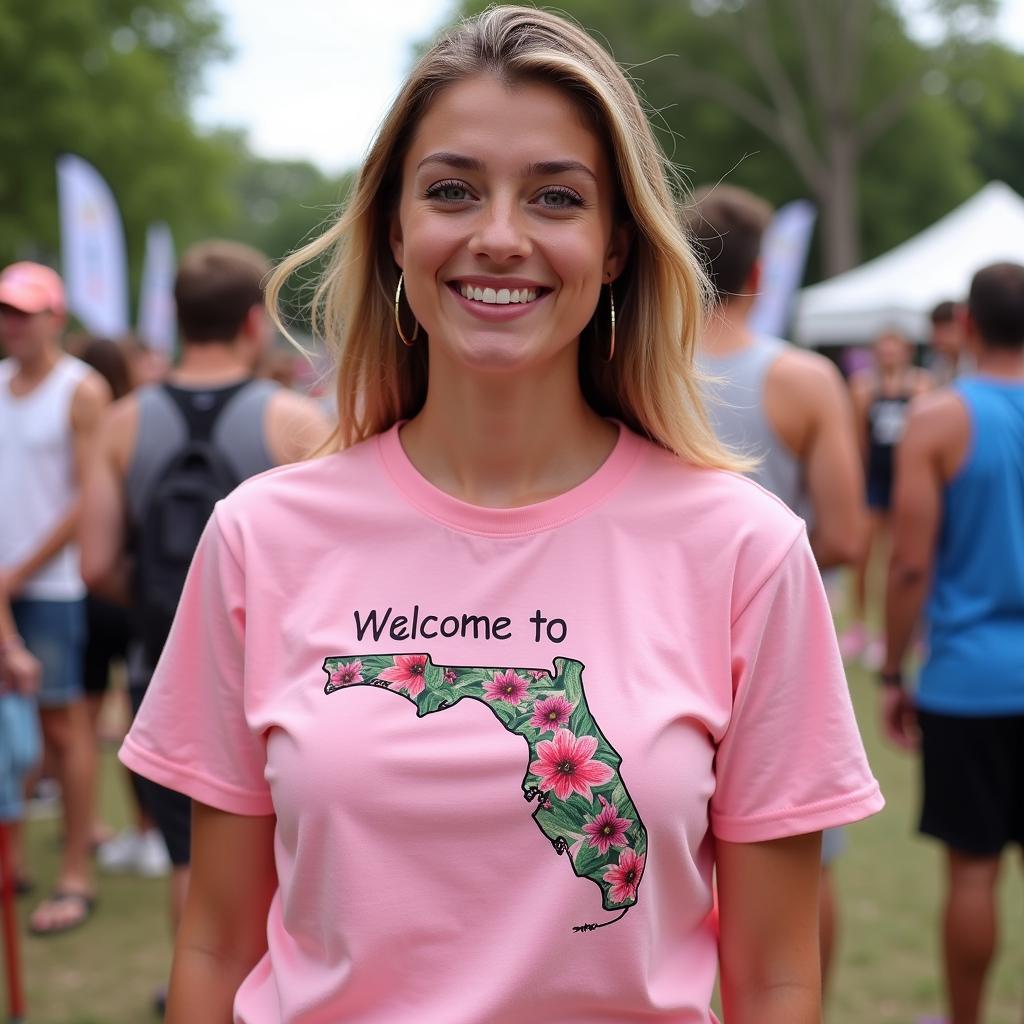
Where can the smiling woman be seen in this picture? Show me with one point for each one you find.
(530, 832)
(579, 181)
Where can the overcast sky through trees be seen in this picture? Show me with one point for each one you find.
(310, 80)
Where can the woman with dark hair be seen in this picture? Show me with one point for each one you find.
(108, 359)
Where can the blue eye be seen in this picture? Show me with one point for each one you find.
(448, 191)
(560, 197)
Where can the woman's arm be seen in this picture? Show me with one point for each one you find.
(768, 913)
(223, 931)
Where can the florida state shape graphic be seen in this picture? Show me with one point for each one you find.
(572, 774)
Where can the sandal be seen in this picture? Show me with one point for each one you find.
(64, 898)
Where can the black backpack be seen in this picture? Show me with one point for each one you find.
(175, 513)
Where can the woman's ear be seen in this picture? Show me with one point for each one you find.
(619, 246)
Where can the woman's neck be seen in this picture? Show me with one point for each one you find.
(507, 440)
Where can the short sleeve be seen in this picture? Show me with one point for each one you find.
(191, 733)
(791, 760)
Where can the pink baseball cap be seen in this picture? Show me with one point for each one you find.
(32, 288)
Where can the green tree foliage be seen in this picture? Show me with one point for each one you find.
(109, 80)
(832, 99)
(985, 81)
(281, 205)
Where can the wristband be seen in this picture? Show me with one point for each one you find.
(891, 679)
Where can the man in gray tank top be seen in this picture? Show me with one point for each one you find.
(252, 425)
(786, 406)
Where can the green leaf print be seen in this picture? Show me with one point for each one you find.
(582, 805)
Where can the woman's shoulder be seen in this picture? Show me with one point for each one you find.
(711, 490)
(298, 488)
(714, 511)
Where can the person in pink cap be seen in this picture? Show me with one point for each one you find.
(473, 707)
(50, 404)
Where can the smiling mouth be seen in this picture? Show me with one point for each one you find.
(498, 296)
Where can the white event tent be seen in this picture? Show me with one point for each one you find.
(901, 287)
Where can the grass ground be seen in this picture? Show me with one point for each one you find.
(887, 970)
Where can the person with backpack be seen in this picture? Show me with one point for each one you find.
(168, 452)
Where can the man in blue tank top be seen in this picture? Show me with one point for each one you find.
(958, 542)
(210, 398)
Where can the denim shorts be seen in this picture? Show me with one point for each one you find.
(20, 749)
(54, 631)
(833, 842)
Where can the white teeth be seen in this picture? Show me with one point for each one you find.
(497, 297)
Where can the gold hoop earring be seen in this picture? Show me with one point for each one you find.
(398, 323)
(611, 303)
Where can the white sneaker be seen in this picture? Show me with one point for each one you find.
(119, 855)
(151, 859)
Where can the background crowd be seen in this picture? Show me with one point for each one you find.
(905, 456)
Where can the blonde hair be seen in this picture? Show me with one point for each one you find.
(652, 384)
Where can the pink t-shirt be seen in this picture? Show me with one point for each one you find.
(481, 730)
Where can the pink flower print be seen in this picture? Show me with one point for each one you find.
(506, 686)
(551, 713)
(566, 765)
(408, 673)
(607, 829)
(347, 675)
(625, 876)
(449, 675)
(538, 673)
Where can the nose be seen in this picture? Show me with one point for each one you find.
(501, 233)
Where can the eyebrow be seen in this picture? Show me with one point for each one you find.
(540, 169)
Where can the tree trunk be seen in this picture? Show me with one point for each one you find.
(839, 208)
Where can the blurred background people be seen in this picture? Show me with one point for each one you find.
(947, 342)
(958, 539)
(139, 849)
(20, 743)
(167, 451)
(785, 405)
(146, 365)
(881, 398)
(50, 404)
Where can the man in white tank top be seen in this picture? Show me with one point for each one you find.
(785, 405)
(50, 405)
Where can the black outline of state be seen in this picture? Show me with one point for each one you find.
(530, 793)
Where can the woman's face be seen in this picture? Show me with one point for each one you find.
(892, 351)
(505, 228)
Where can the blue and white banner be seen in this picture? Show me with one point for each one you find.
(157, 321)
(92, 248)
(783, 258)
